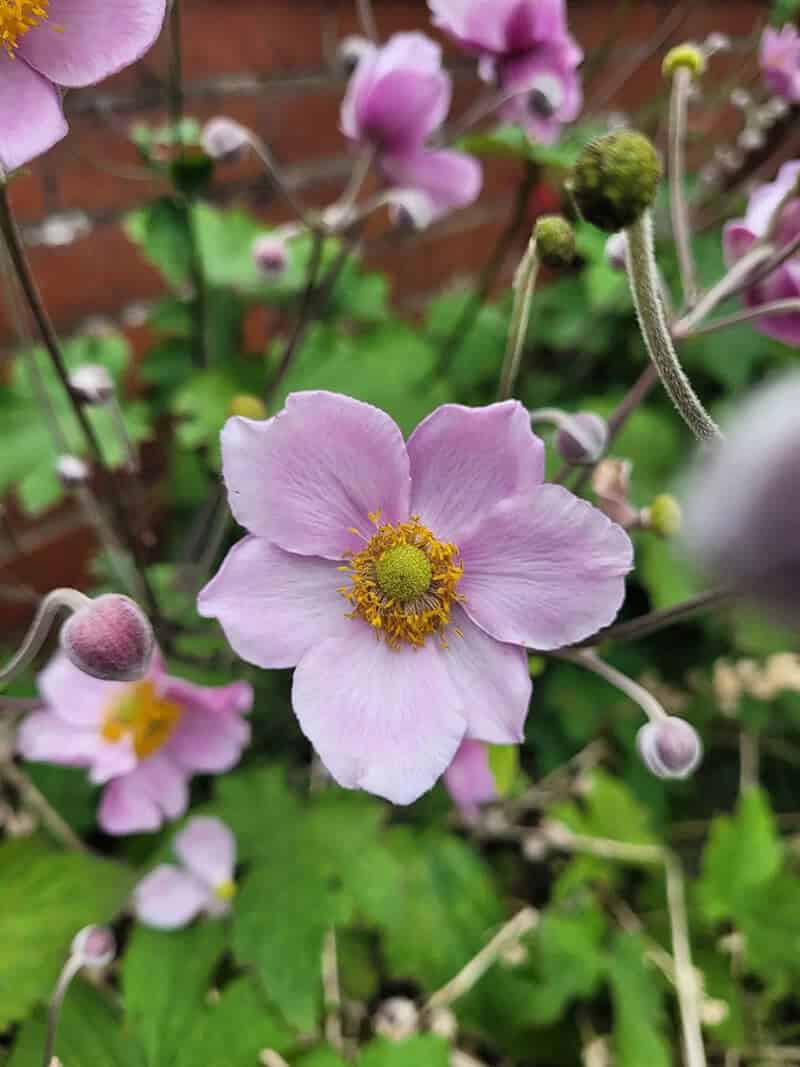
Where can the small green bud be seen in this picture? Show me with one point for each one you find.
(664, 516)
(555, 241)
(684, 55)
(616, 179)
(248, 406)
(192, 171)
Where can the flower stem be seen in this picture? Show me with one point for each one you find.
(777, 307)
(69, 971)
(38, 804)
(366, 16)
(637, 693)
(679, 209)
(643, 276)
(654, 621)
(742, 274)
(524, 286)
(38, 630)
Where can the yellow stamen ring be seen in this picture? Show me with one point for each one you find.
(16, 18)
(404, 583)
(143, 715)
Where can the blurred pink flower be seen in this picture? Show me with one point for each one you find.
(142, 740)
(397, 97)
(783, 283)
(171, 896)
(70, 43)
(404, 579)
(779, 57)
(469, 779)
(525, 50)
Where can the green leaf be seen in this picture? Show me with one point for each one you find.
(611, 811)
(258, 805)
(45, 898)
(504, 765)
(161, 230)
(743, 853)
(165, 978)
(203, 403)
(568, 962)
(637, 995)
(90, 1033)
(423, 1050)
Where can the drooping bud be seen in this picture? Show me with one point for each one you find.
(582, 438)
(92, 384)
(670, 747)
(616, 248)
(110, 638)
(248, 406)
(684, 55)
(555, 241)
(223, 138)
(94, 946)
(72, 472)
(270, 254)
(663, 516)
(615, 179)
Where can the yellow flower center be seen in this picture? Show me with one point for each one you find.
(17, 17)
(144, 716)
(225, 890)
(403, 583)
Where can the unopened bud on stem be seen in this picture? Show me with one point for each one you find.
(669, 747)
(555, 241)
(109, 638)
(615, 179)
(582, 438)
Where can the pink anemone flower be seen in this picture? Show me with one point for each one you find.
(469, 779)
(171, 896)
(49, 43)
(142, 740)
(779, 59)
(404, 579)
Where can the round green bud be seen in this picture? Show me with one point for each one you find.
(248, 406)
(615, 179)
(684, 55)
(555, 241)
(664, 516)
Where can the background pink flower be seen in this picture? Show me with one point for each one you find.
(143, 740)
(779, 58)
(450, 548)
(72, 44)
(171, 896)
(469, 779)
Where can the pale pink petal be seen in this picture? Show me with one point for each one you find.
(492, 679)
(385, 720)
(360, 84)
(168, 898)
(448, 180)
(74, 696)
(469, 779)
(46, 738)
(207, 848)
(402, 108)
(112, 759)
(736, 240)
(140, 801)
(464, 461)
(83, 41)
(272, 605)
(318, 469)
(545, 571)
(31, 119)
(208, 740)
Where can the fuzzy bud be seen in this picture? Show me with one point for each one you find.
(110, 638)
(670, 747)
(555, 241)
(92, 384)
(270, 255)
(663, 516)
(616, 249)
(582, 438)
(94, 946)
(223, 139)
(248, 406)
(684, 55)
(72, 472)
(616, 179)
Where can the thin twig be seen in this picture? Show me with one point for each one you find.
(740, 276)
(366, 16)
(70, 969)
(776, 307)
(332, 992)
(679, 209)
(38, 803)
(524, 287)
(686, 978)
(653, 621)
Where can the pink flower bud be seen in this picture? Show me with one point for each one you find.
(94, 946)
(270, 255)
(670, 748)
(72, 471)
(111, 638)
(615, 251)
(582, 438)
(92, 384)
(223, 138)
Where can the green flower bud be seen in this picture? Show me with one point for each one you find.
(248, 406)
(684, 55)
(615, 179)
(555, 241)
(664, 516)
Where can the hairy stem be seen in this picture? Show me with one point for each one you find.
(679, 209)
(524, 286)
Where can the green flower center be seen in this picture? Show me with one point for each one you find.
(404, 573)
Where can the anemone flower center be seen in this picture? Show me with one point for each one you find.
(144, 716)
(17, 17)
(404, 582)
(225, 890)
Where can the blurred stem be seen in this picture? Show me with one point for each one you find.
(777, 307)
(332, 993)
(36, 802)
(637, 693)
(748, 760)
(654, 621)
(39, 629)
(679, 209)
(273, 170)
(175, 64)
(644, 282)
(524, 287)
(366, 16)
(70, 969)
(742, 274)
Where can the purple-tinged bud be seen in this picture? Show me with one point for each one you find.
(72, 472)
(94, 946)
(110, 638)
(616, 248)
(270, 255)
(582, 438)
(92, 384)
(224, 139)
(669, 747)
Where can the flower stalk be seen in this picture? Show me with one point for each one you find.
(524, 288)
(679, 209)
